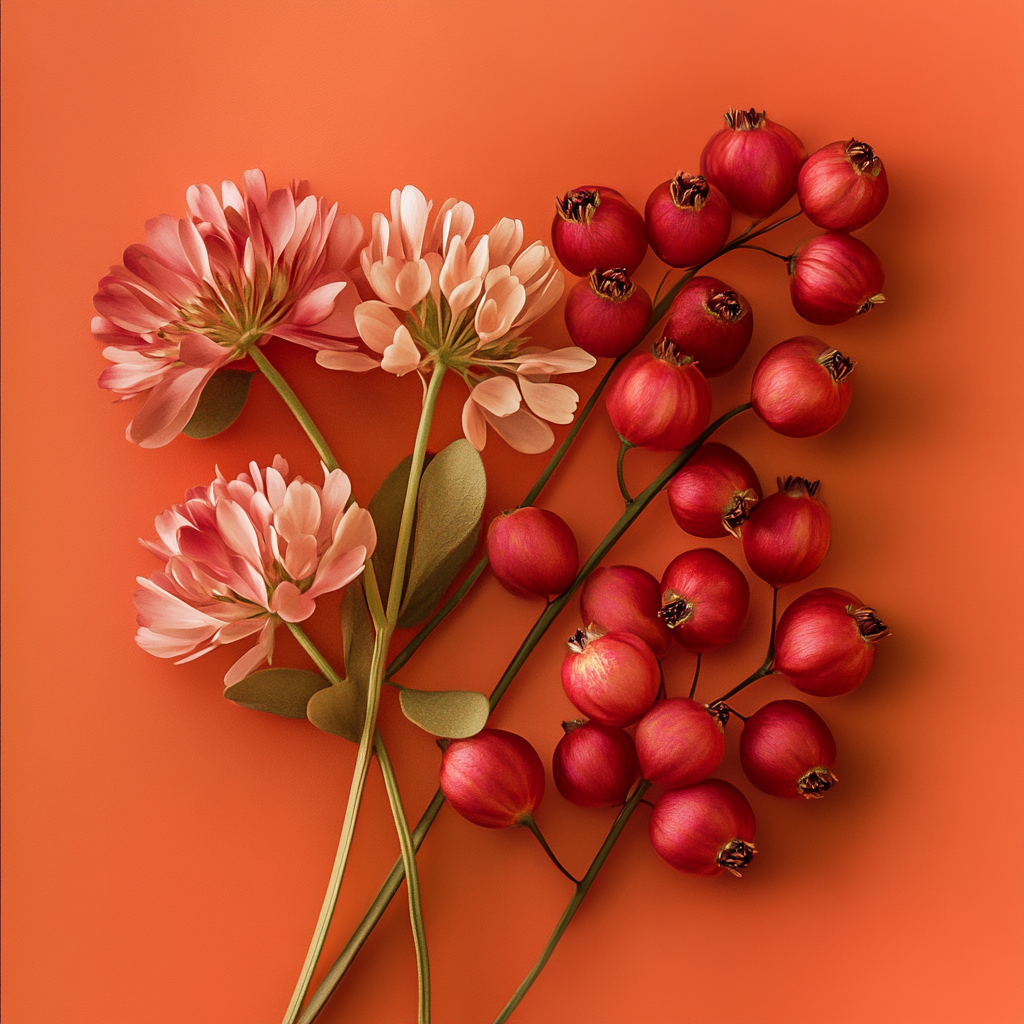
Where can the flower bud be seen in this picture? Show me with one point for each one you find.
(710, 323)
(825, 642)
(625, 599)
(704, 829)
(788, 533)
(494, 779)
(606, 314)
(802, 387)
(843, 186)
(595, 228)
(833, 278)
(688, 220)
(712, 495)
(595, 765)
(754, 161)
(612, 677)
(787, 750)
(679, 742)
(659, 401)
(704, 599)
(532, 552)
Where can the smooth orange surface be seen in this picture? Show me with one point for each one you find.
(165, 851)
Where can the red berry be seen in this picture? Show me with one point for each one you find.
(710, 323)
(833, 278)
(532, 552)
(625, 599)
(595, 228)
(787, 750)
(595, 765)
(688, 220)
(712, 495)
(606, 314)
(788, 533)
(659, 401)
(613, 678)
(704, 829)
(843, 186)
(825, 642)
(802, 387)
(754, 161)
(704, 599)
(494, 778)
(679, 742)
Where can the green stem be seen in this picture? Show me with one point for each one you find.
(696, 676)
(578, 897)
(761, 248)
(766, 667)
(550, 613)
(532, 825)
(623, 448)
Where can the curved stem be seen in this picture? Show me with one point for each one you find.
(532, 825)
(761, 248)
(766, 667)
(696, 676)
(623, 448)
(574, 904)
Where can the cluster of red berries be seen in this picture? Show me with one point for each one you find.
(825, 640)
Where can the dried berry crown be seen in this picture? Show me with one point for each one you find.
(578, 205)
(863, 158)
(798, 487)
(612, 284)
(668, 353)
(689, 191)
(726, 306)
(839, 366)
(869, 625)
(735, 855)
(745, 120)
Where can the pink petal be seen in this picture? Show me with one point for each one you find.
(355, 362)
(278, 220)
(260, 653)
(560, 360)
(474, 426)
(238, 532)
(168, 408)
(555, 403)
(195, 249)
(498, 395)
(338, 573)
(316, 305)
(202, 204)
(291, 604)
(402, 355)
(256, 188)
(300, 558)
(523, 431)
(376, 324)
(162, 237)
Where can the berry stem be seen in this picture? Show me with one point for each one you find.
(696, 676)
(532, 825)
(623, 448)
(759, 248)
(766, 668)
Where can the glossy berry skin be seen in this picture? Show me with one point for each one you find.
(595, 765)
(712, 495)
(833, 278)
(532, 552)
(843, 186)
(612, 679)
(787, 750)
(679, 742)
(802, 387)
(788, 533)
(754, 161)
(825, 642)
(711, 323)
(659, 400)
(596, 228)
(704, 829)
(688, 220)
(606, 314)
(704, 599)
(494, 779)
(626, 599)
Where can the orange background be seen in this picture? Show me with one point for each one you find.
(166, 851)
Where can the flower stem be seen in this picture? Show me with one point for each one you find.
(540, 627)
(623, 448)
(578, 897)
(535, 829)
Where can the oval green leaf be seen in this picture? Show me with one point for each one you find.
(453, 714)
(280, 691)
(338, 709)
(220, 404)
(450, 504)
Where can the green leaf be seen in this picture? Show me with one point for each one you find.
(451, 501)
(357, 634)
(338, 709)
(386, 508)
(281, 691)
(220, 404)
(454, 714)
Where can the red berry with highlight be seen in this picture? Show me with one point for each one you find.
(704, 829)
(825, 642)
(606, 314)
(704, 599)
(843, 186)
(659, 400)
(710, 323)
(833, 278)
(712, 495)
(802, 387)
(754, 161)
(787, 750)
(595, 228)
(595, 765)
(688, 220)
(532, 552)
(613, 678)
(625, 599)
(788, 533)
(679, 742)
(494, 779)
